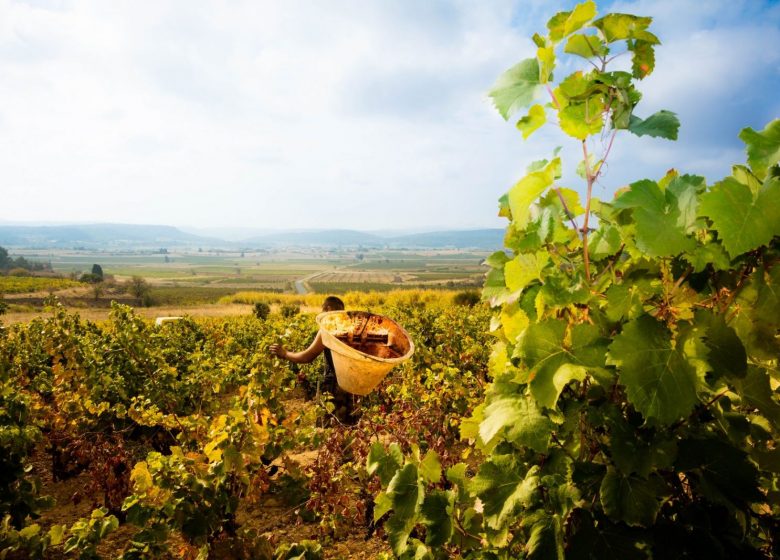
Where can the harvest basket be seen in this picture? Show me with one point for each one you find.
(364, 346)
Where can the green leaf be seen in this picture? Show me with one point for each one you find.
(430, 467)
(663, 124)
(524, 269)
(406, 492)
(514, 321)
(631, 499)
(382, 504)
(503, 490)
(634, 450)
(604, 242)
(763, 148)
(586, 46)
(532, 121)
(554, 365)
(436, 513)
(686, 189)
(642, 59)
(727, 355)
(495, 286)
(624, 301)
(580, 120)
(563, 24)
(497, 259)
(520, 420)
(516, 88)
(743, 221)
(384, 463)
(528, 189)
(659, 380)
(658, 219)
(617, 27)
(757, 392)
(546, 58)
(720, 471)
(709, 254)
(546, 539)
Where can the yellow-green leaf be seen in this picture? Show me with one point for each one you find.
(532, 121)
(528, 189)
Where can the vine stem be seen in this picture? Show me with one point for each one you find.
(569, 214)
(589, 178)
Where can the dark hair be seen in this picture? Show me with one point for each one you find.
(333, 303)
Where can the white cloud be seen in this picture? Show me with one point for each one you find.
(300, 114)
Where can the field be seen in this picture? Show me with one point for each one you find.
(190, 280)
(27, 284)
(241, 427)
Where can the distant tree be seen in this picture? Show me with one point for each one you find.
(261, 310)
(467, 299)
(97, 289)
(97, 270)
(139, 288)
(5, 262)
(91, 278)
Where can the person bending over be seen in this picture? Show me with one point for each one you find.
(343, 402)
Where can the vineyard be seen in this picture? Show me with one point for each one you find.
(615, 393)
(23, 284)
(191, 440)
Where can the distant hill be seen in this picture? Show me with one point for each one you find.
(466, 239)
(106, 236)
(324, 238)
(98, 235)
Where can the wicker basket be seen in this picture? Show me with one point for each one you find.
(365, 347)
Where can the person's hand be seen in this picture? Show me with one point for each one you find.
(278, 350)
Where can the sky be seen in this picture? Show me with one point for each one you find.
(359, 114)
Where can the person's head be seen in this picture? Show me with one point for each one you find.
(332, 303)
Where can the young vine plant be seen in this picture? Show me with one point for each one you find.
(633, 409)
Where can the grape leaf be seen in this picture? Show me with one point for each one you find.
(554, 365)
(659, 380)
(436, 513)
(763, 148)
(406, 491)
(722, 472)
(516, 87)
(663, 124)
(631, 499)
(502, 489)
(528, 189)
(616, 27)
(546, 539)
(532, 121)
(523, 269)
(586, 46)
(743, 221)
(658, 217)
(546, 58)
(580, 120)
(604, 242)
(566, 23)
(430, 467)
(727, 355)
(758, 393)
(524, 423)
(384, 463)
(623, 301)
(642, 58)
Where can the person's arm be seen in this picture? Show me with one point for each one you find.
(304, 357)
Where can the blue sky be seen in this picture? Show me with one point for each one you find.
(346, 114)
